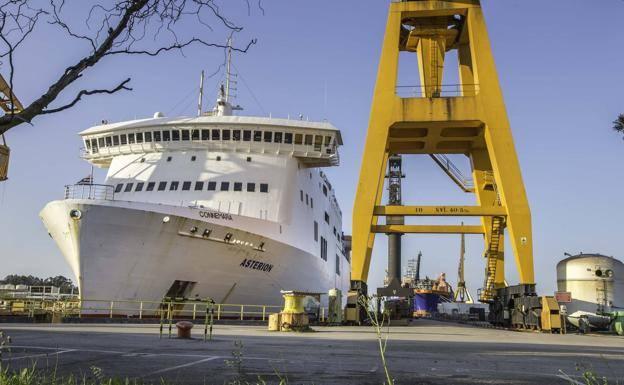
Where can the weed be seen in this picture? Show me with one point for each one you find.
(382, 338)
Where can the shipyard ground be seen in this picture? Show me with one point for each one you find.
(429, 352)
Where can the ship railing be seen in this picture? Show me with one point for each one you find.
(90, 191)
(143, 310)
(326, 153)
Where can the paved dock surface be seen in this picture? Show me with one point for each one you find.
(428, 352)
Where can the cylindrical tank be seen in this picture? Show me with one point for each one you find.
(596, 282)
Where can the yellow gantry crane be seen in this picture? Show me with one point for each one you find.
(468, 118)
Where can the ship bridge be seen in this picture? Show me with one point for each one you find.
(315, 144)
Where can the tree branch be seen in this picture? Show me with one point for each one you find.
(180, 46)
(121, 86)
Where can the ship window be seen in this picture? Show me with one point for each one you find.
(212, 186)
(264, 187)
(199, 186)
(215, 134)
(128, 187)
(315, 231)
(175, 135)
(326, 217)
(277, 138)
(109, 141)
(337, 265)
(139, 137)
(205, 135)
(246, 135)
(156, 136)
(218, 158)
(238, 186)
(131, 139)
(101, 142)
(325, 190)
(308, 140)
(301, 195)
(185, 134)
(162, 186)
(116, 140)
(123, 139)
(225, 134)
(225, 186)
(174, 186)
(193, 158)
(318, 141)
(236, 135)
(139, 186)
(195, 134)
(118, 187)
(251, 187)
(150, 186)
(327, 140)
(257, 136)
(307, 200)
(288, 138)
(334, 230)
(268, 136)
(298, 138)
(249, 159)
(311, 202)
(166, 136)
(186, 186)
(88, 144)
(323, 249)
(94, 145)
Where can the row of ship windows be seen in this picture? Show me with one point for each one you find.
(186, 186)
(207, 135)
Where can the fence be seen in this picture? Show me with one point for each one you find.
(191, 309)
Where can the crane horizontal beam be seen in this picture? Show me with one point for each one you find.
(427, 229)
(444, 211)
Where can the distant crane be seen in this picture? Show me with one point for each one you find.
(462, 294)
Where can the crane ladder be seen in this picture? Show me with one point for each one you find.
(489, 287)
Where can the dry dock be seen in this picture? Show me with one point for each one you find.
(428, 353)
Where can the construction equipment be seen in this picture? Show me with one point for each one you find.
(551, 316)
(436, 120)
(462, 294)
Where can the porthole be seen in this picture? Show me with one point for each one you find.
(75, 214)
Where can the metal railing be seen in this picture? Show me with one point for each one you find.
(99, 308)
(90, 191)
(311, 152)
(443, 91)
(465, 183)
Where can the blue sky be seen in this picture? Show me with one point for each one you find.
(560, 64)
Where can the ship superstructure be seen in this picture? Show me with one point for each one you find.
(234, 208)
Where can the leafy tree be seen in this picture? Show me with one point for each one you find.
(63, 283)
(618, 124)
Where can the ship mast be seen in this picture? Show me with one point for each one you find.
(224, 107)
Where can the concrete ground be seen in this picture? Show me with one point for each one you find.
(428, 352)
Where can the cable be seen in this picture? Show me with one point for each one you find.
(249, 90)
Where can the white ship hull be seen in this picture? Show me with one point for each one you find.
(129, 251)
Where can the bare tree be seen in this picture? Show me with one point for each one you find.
(112, 28)
(618, 124)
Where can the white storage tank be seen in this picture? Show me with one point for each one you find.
(595, 281)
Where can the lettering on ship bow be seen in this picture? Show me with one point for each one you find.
(256, 265)
(215, 215)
